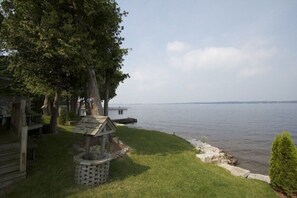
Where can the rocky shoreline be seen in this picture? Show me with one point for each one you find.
(210, 154)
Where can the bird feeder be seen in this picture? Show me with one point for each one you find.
(92, 167)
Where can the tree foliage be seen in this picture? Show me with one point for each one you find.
(283, 164)
(51, 45)
(44, 43)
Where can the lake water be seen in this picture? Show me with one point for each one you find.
(245, 131)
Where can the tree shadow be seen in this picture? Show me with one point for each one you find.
(145, 142)
(125, 167)
(52, 174)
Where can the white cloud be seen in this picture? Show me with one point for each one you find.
(176, 46)
(249, 72)
(246, 61)
(214, 58)
(150, 78)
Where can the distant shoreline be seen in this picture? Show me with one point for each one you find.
(243, 102)
(223, 102)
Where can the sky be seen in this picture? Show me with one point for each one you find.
(209, 51)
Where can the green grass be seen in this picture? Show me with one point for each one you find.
(46, 119)
(159, 165)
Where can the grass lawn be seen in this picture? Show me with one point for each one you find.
(159, 165)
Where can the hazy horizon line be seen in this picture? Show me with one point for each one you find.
(217, 102)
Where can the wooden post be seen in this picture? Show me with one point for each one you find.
(22, 131)
(87, 147)
(23, 154)
(102, 147)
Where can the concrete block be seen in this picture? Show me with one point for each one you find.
(260, 177)
(236, 171)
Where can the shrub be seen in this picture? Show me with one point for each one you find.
(283, 164)
(62, 116)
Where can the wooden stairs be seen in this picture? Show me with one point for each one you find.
(10, 164)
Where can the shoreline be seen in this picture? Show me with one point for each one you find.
(210, 154)
(251, 154)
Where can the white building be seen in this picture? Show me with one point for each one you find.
(117, 112)
(113, 112)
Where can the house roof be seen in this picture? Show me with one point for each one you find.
(117, 108)
(95, 126)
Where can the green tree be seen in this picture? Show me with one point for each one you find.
(110, 74)
(283, 164)
(57, 45)
(44, 44)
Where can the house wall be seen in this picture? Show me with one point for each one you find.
(5, 105)
(7, 101)
(116, 114)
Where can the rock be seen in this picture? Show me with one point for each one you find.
(210, 154)
(116, 140)
(237, 171)
(233, 161)
(222, 154)
(260, 177)
(207, 157)
(215, 161)
(196, 143)
(225, 161)
(208, 148)
(229, 156)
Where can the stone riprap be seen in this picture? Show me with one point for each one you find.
(264, 178)
(236, 171)
(211, 154)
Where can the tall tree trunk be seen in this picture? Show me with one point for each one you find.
(106, 95)
(55, 111)
(106, 100)
(45, 108)
(73, 104)
(95, 101)
(94, 104)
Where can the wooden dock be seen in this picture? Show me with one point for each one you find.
(125, 120)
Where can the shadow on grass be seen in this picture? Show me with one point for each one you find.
(52, 174)
(145, 142)
(124, 167)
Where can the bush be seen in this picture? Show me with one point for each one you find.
(283, 164)
(62, 117)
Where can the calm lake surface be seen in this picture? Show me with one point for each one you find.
(246, 131)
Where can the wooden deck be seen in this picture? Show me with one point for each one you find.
(125, 120)
(6, 136)
(9, 159)
(13, 150)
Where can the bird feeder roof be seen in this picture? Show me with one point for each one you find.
(95, 126)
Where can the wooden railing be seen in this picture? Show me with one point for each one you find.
(34, 121)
